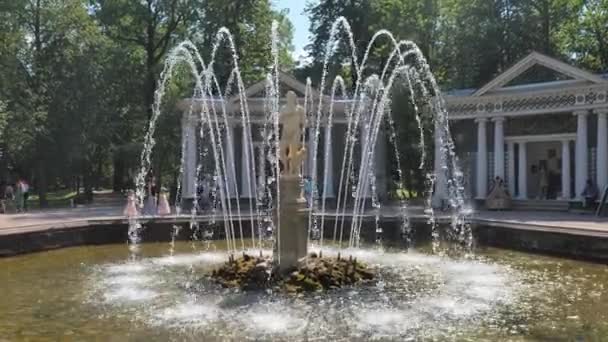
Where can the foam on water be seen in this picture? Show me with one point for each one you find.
(465, 290)
(131, 293)
(131, 267)
(128, 280)
(189, 259)
(273, 319)
(387, 322)
(187, 314)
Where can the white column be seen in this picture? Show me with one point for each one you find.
(190, 156)
(328, 164)
(566, 193)
(247, 165)
(380, 165)
(482, 159)
(581, 172)
(499, 147)
(511, 168)
(602, 148)
(364, 130)
(440, 191)
(261, 167)
(229, 159)
(310, 154)
(523, 171)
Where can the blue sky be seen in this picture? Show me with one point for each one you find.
(299, 20)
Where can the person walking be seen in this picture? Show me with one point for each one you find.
(543, 183)
(19, 197)
(25, 188)
(9, 198)
(150, 203)
(308, 191)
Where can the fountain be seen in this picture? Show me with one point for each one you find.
(291, 267)
(265, 268)
(275, 206)
(318, 248)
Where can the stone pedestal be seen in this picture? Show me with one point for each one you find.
(293, 227)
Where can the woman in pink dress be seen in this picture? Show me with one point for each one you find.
(163, 203)
(131, 207)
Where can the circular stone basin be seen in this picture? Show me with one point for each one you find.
(97, 292)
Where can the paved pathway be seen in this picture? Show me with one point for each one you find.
(55, 218)
(559, 222)
(585, 224)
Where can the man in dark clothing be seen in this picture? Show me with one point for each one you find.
(590, 194)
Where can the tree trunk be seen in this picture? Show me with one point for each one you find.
(42, 186)
(99, 173)
(150, 85)
(88, 185)
(118, 176)
(546, 27)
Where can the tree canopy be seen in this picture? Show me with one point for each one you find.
(77, 80)
(77, 77)
(466, 42)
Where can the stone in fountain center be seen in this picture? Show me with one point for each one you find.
(293, 227)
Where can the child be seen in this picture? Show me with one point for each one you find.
(308, 191)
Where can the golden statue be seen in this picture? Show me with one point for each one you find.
(293, 120)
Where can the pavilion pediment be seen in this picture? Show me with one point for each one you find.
(536, 69)
(286, 83)
(538, 74)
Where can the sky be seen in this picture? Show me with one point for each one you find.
(300, 23)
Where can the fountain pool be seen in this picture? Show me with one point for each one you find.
(152, 291)
(86, 293)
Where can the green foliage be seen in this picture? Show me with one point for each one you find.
(77, 81)
(466, 42)
(586, 37)
(77, 77)
(56, 199)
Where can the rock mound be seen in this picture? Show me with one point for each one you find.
(314, 273)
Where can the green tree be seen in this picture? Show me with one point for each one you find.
(322, 17)
(47, 34)
(496, 35)
(145, 31)
(585, 39)
(152, 26)
(286, 47)
(407, 19)
(250, 23)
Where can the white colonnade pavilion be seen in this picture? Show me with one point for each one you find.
(243, 151)
(513, 127)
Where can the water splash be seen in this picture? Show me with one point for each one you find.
(367, 115)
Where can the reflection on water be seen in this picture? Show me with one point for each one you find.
(96, 292)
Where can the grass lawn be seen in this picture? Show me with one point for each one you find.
(56, 199)
(403, 194)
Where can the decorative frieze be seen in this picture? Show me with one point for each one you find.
(528, 103)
